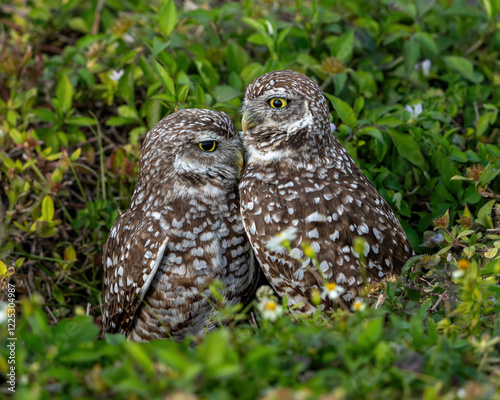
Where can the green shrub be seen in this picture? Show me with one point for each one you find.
(414, 89)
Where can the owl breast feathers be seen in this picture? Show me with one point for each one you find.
(183, 231)
(297, 175)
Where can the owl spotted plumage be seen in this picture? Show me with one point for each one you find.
(183, 231)
(297, 175)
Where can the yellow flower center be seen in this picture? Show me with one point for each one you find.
(271, 306)
(358, 305)
(309, 251)
(331, 286)
(463, 264)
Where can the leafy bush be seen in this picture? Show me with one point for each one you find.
(414, 89)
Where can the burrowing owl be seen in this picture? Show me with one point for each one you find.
(183, 230)
(298, 175)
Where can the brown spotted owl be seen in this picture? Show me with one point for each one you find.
(183, 230)
(297, 175)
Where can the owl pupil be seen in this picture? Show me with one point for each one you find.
(278, 103)
(209, 145)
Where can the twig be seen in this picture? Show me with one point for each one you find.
(473, 48)
(51, 314)
(476, 111)
(97, 17)
(439, 300)
(380, 301)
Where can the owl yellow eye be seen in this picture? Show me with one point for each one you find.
(209, 145)
(278, 102)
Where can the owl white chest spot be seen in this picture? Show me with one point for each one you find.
(206, 236)
(313, 234)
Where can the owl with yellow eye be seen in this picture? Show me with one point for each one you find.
(182, 232)
(299, 178)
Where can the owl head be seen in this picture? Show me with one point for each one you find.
(188, 152)
(283, 111)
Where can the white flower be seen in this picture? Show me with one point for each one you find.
(358, 305)
(128, 38)
(264, 292)
(426, 66)
(276, 242)
(116, 75)
(415, 110)
(332, 290)
(270, 29)
(333, 127)
(270, 309)
(3, 312)
(461, 393)
(450, 258)
(457, 274)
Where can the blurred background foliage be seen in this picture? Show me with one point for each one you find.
(414, 90)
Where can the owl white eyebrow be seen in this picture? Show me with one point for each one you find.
(278, 93)
(205, 136)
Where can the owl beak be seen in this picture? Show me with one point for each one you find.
(248, 121)
(240, 160)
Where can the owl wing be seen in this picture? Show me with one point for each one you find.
(339, 212)
(131, 257)
(328, 216)
(268, 210)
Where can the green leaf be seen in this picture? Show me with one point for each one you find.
(262, 36)
(408, 148)
(119, 121)
(48, 209)
(165, 78)
(427, 43)
(372, 131)
(359, 104)
(69, 333)
(164, 97)
(82, 121)
(69, 253)
(491, 252)
(225, 93)
(343, 110)
(389, 121)
(76, 154)
(490, 267)
(465, 233)
(139, 354)
(411, 53)
(44, 115)
(126, 85)
(207, 72)
(64, 93)
(463, 67)
(371, 334)
(484, 215)
(342, 47)
(469, 251)
(128, 112)
(482, 125)
(490, 172)
(3, 268)
(339, 81)
(167, 17)
(236, 57)
(459, 156)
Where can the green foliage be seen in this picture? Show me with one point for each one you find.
(414, 89)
